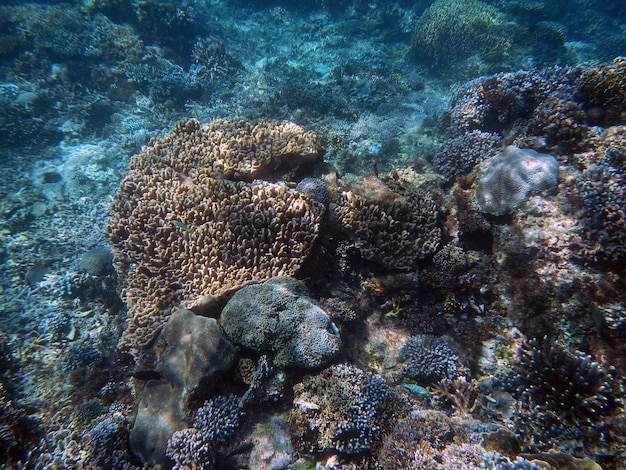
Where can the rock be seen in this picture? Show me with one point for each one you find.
(195, 349)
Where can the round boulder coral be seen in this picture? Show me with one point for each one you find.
(277, 318)
(512, 176)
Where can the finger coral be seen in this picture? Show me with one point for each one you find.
(193, 222)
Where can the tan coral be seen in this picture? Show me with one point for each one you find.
(390, 228)
(184, 232)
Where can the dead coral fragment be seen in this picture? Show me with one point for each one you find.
(183, 231)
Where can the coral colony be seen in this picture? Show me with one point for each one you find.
(264, 235)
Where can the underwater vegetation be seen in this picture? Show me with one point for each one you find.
(333, 235)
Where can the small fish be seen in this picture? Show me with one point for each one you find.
(36, 273)
(179, 224)
(307, 405)
(418, 389)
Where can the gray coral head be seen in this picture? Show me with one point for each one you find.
(278, 318)
(512, 176)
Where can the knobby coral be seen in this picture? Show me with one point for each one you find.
(277, 318)
(192, 222)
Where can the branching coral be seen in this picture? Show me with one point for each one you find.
(563, 394)
(342, 409)
(427, 359)
(391, 228)
(214, 425)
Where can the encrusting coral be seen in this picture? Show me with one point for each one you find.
(192, 221)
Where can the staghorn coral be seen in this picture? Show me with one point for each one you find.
(343, 409)
(427, 359)
(191, 226)
(278, 319)
(391, 228)
(512, 176)
(563, 395)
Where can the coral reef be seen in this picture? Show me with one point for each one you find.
(402, 253)
(427, 359)
(343, 409)
(431, 439)
(573, 113)
(278, 319)
(563, 395)
(188, 229)
(512, 176)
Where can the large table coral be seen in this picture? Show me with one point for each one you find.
(193, 222)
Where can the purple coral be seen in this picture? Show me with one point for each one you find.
(428, 359)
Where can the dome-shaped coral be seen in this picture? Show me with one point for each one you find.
(512, 176)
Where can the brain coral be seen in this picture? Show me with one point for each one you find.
(512, 176)
(278, 319)
(192, 222)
